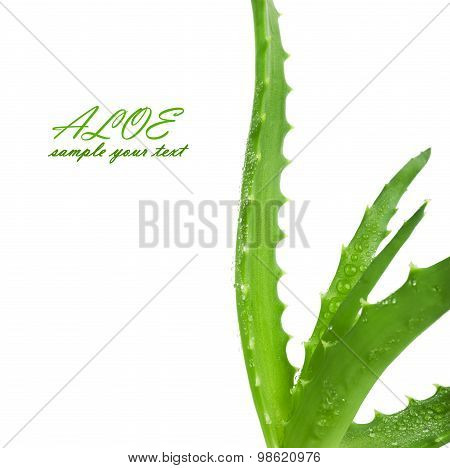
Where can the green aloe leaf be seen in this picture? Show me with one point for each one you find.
(348, 311)
(257, 273)
(358, 255)
(424, 423)
(353, 342)
(343, 371)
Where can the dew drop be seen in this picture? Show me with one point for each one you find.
(334, 305)
(251, 343)
(343, 287)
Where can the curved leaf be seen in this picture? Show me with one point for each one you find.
(259, 308)
(357, 256)
(424, 423)
(343, 371)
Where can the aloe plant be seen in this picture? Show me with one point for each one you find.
(353, 341)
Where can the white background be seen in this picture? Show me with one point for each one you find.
(71, 269)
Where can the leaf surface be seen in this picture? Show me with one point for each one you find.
(424, 423)
(344, 371)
